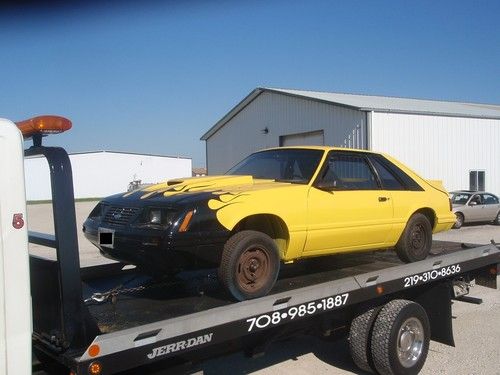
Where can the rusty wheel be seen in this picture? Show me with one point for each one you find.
(253, 268)
(250, 265)
(416, 240)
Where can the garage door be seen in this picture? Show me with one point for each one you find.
(315, 138)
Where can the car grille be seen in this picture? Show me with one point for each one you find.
(119, 215)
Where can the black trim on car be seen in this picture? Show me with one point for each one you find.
(405, 180)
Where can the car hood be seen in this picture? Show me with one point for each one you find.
(180, 189)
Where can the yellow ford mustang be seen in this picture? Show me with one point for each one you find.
(275, 206)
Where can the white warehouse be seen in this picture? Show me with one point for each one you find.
(101, 173)
(458, 143)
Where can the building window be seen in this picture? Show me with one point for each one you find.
(476, 180)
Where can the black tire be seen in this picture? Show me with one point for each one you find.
(400, 324)
(460, 220)
(360, 339)
(250, 265)
(416, 240)
(497, 219)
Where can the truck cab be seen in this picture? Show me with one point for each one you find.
(15, 302)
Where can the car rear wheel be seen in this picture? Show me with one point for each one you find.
(416, 240)
(460, 221)
(250, 265)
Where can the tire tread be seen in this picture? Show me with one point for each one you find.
(360, 337)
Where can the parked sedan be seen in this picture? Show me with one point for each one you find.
(277, 205)
(472, 206)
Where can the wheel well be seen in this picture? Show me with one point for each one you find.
(429, 213)
(271, 225)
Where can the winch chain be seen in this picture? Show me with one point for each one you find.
(101, 297)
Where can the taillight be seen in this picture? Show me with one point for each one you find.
(451, 205)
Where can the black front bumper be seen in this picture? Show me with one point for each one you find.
(152, 250)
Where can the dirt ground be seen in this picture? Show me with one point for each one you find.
(476, 327)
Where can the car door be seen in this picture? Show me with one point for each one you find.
(490, 206)
(474, 209)
(347, 210)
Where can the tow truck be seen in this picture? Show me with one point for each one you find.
(61, 318)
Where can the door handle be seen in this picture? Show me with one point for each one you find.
(383, 199)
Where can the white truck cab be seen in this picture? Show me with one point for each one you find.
(15, 301)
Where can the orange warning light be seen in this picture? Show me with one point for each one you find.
(95, 368)
(47, 124)
(94, 350)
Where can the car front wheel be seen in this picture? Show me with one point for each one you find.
(250, 265)
(416, 240)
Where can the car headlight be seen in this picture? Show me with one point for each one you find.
(98, 211)
(157, 217)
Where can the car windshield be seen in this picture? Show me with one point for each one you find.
(459, 198)
(284, 165)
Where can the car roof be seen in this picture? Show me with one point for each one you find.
(322, 148)
(470, 192)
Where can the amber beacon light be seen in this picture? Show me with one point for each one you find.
(39, 126)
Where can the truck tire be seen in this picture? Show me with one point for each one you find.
(250, 265)
(360, 339)
(400, 338)
(416, 240)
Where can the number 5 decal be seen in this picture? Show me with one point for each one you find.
(18, 221)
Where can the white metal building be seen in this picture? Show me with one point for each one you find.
(458, 143)
(101, 173)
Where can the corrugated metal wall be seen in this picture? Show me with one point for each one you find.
(100, 174)
(282, 115)
(439, 147)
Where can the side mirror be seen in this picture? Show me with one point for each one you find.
(472, 203)
(326, 185)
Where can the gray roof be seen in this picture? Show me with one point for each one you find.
(117, 152)
(373, 103)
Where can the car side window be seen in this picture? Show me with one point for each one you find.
(489, 199)
(476, 199)
(402, 177)
(387, 178)
(348, 172)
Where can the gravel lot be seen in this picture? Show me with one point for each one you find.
(476, 327)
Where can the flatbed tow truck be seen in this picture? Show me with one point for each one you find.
(111, 318)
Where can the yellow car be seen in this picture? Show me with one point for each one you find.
(276, 206)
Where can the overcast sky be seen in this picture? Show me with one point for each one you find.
(153, 77)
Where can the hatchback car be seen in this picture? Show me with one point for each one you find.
(276, 206)
(473, 206)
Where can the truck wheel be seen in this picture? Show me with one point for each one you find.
(360, 339)
(400, 338)
(416, 240)
(460, 221)
(250, 265)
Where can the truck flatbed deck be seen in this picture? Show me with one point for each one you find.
(147, 325)
(200, 291)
